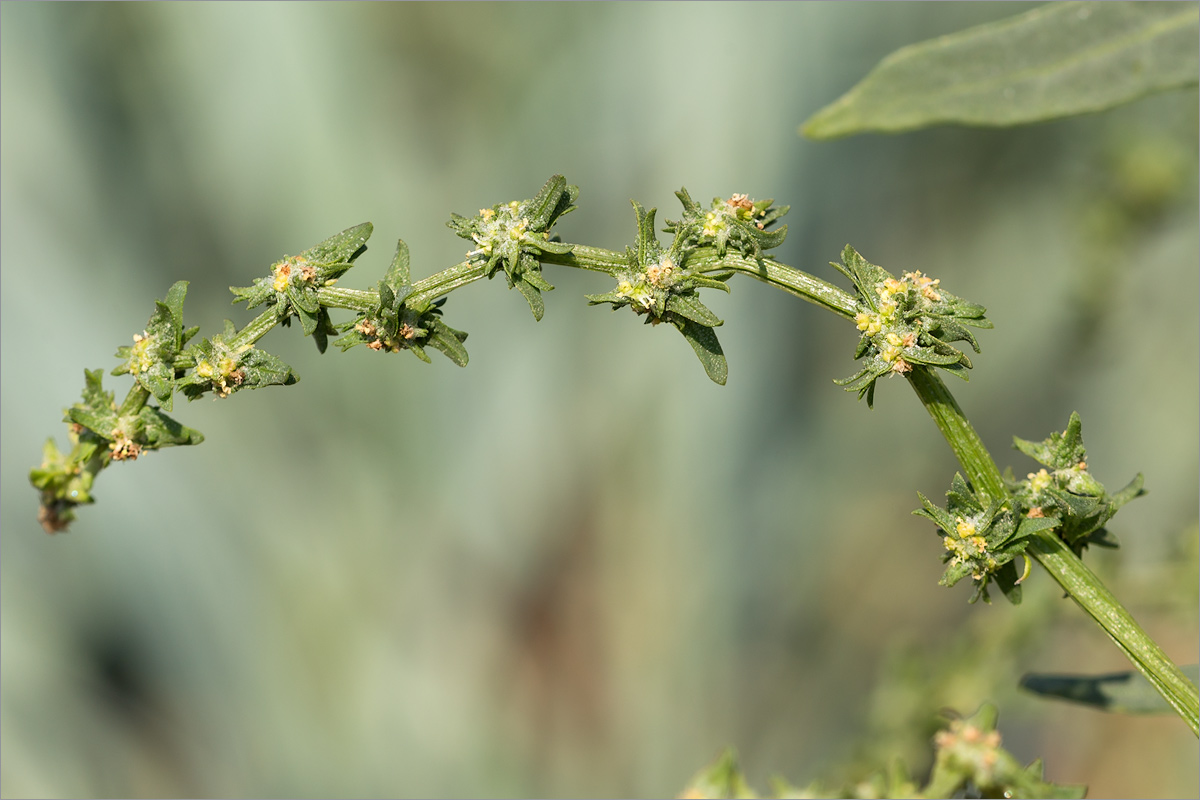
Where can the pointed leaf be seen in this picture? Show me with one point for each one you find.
(704, 341)
(690, 307)
(341, 248)
(397, 275)
(449, 341)
(532, 296)
(162, 431)
(541, 208)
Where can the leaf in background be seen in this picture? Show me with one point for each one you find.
(1055, 61)
(1119, 692)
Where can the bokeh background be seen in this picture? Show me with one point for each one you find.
(575, 567)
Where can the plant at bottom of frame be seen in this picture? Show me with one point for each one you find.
(968, 762)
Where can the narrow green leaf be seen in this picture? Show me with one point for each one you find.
(690, 307)
(1132, 490)
(532, 296)
(704, 341)
(1054, 61)
(449, 341)
(174, 302)
(541, 208)
(647, 242)
(397, 275)
(531, 273)
(1118, 692)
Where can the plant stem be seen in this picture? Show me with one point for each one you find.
(781, 276)
(257, 328)
(1053, 554)
(976, 461)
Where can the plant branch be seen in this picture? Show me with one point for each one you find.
(1084, 587)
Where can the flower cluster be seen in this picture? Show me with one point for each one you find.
(100, 433)
(905, 321)
(1066, 492)
(511, 236)
(151, 358)
(396, 324)
(224, 365)
(292, 285)
(738, 222)
(980, 542)
(657, 286)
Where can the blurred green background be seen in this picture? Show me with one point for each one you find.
(586, 569)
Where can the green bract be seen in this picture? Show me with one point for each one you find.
(1066, 492)
(512, 236)
(905, 322)
(738, 222)
(663, 290)
(981, 542)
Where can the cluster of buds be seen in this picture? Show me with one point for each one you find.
(292, 286)
(294, 271)
(141, 355)
(656, 285)
(970, 747)
(982, 543)
(397, 323)
(1065, 491)
(512, 236)
(649, 289)
(905, 322)
(968, 547)
(737, 222)
(122, 447)
(224, 376)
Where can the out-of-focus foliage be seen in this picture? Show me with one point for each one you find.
(1120, 692)
(968, 761)
(1061, 59)
(580, 614)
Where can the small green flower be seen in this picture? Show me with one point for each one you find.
(905, 322)
(512, 236)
